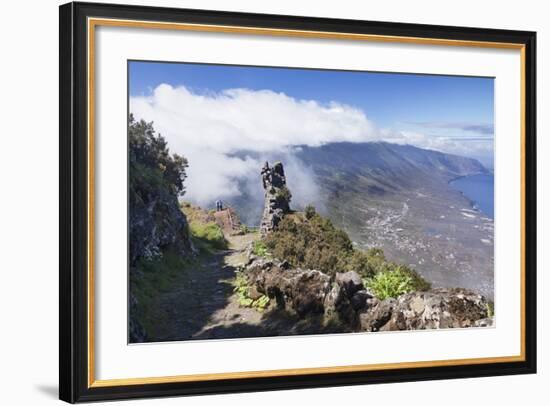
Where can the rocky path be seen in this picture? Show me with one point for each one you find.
(202, 303)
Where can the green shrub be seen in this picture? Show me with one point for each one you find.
(244, 229)
(390, 284)
(361, 262)
(152, 167)
(374, 262)
(259, 248)
(315, 243)
(309, 212)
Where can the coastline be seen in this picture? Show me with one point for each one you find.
(473, 203)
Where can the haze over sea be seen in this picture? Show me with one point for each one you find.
(479, 189)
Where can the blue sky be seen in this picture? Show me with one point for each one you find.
(456, 112)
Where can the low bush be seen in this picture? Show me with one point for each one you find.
(312, 244)
(309, 212)
(373, 262)
(311, 241)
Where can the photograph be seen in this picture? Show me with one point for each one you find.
(263, 199)
(283, 201)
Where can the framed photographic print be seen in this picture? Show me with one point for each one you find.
(255, 202)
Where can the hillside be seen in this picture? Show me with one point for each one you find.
(197, 273)
(386, 156)
(397, 198)
(375, 168)
(386, 167)
(401, 202)
(307, 267)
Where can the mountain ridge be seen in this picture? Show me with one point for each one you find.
(371, 168)
(398, 198)
(388, 159)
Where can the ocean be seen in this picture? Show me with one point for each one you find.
(480, 190)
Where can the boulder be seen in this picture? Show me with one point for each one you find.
(439, 308)
(359, 299)
(350, 281)
(156, 224)
(338, 306)
(433, 309)
(332, 301)
(344, 299)
(376, 315)
(301, 291)
(253, 293)
(308, 291)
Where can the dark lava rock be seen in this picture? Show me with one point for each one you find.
(377, 314)
(338, 307)
(276, 198)
(344, 299)
(157, 223)
(350, 281)
(359, 299)
(433, 309)
(302, 291)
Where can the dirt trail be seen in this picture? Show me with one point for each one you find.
(202, 303)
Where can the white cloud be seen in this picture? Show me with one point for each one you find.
(470, 147)
(259, 120)
(208, 128)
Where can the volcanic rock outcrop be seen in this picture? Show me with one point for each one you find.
(433, 309)
(343, 298)
(277, 196)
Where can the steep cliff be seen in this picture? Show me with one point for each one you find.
(156, 180)
(156, 225)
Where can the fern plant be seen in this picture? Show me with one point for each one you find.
(241, 289)
(391, 283)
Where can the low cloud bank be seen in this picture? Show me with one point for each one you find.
(213, 129)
